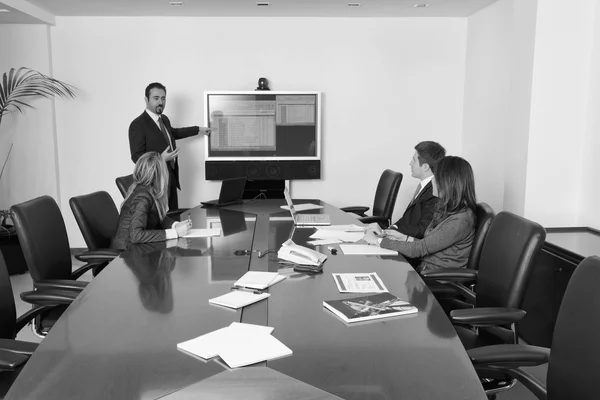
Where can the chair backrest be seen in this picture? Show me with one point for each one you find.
(123, 183)
(507, 258)
(485, 215)
(386, 194)
(97, 217)
(43, 238)
(575, 355)
(8, 312)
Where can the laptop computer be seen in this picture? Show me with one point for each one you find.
(305, 219)
(232, 191)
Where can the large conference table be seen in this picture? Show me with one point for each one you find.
(118, 340)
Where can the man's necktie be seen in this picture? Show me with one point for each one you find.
(416, 193)
(166, 135)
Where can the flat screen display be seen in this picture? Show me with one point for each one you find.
(263, 125)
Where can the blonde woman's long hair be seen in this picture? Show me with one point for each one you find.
(151, 172)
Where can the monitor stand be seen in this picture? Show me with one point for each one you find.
(272, 189)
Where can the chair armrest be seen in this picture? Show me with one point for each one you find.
(60, 284)
(375, 218)
(98, 255)
(25, 318)
(10, 361)
(509, 355)
(487, 316)
(93, 264)
(18, 346)
(46, 297)
(451, 274)
(359, 210)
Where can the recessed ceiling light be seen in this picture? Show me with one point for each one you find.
(176, 3)
(263, 3)
(421, 5)
(353, 4)
(4, 10)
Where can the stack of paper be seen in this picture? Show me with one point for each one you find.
(365, 249)
(343, 228)
(337, 235)
(258, 280)
(198, 233)
(238, 345)
(238, 298)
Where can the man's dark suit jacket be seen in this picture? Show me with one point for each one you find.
(145, 136)
(418, 214)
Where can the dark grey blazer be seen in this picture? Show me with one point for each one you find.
(139, 221)
(145, 136)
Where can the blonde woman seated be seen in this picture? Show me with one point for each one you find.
(143, 212)
(449, 236)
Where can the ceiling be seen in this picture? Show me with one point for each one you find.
(237, 8)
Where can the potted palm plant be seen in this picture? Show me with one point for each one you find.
(17, 88)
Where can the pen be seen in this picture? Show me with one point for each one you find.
(245, 289)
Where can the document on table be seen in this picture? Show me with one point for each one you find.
(253, 350)
(209, 345)
(365, 249)
(321, 242)
(199, 233)
(343, 228)
(238, 299)
(359, 283)
(338, 235)
(258, 280)
(303, 207)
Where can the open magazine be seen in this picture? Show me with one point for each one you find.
(292, 252)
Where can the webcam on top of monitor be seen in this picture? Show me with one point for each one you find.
(263, 84)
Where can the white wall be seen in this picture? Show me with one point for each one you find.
(387, 84)
(559, 103)
(487, 90)
(31, 170)
(589, 214)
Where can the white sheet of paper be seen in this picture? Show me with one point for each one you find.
(339, 235)
(343, 228)
(253, 349)
(199, 233)
(258, 279)
(238, 299)
(359, 283)
(209, 345)
(321, 242)
(365, 249)
(303, 207)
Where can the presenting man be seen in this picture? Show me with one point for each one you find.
(152, 131)
(420, 210)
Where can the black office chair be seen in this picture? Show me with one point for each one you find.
(124, 182)
(15, 353)
(43, 238)
(385, 200)
(507, 258)
(98, 219)
(485, 215)
(574, 361)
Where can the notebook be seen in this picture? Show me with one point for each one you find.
(232, 191)
(238, 299)
(305, 219)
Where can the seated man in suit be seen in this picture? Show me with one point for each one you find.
(419, 213)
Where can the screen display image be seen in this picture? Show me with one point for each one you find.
(259, 125)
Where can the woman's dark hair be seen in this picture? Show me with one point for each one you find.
(456, 187)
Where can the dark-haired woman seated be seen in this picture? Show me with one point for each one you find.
(143, 212)
(449, 236)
